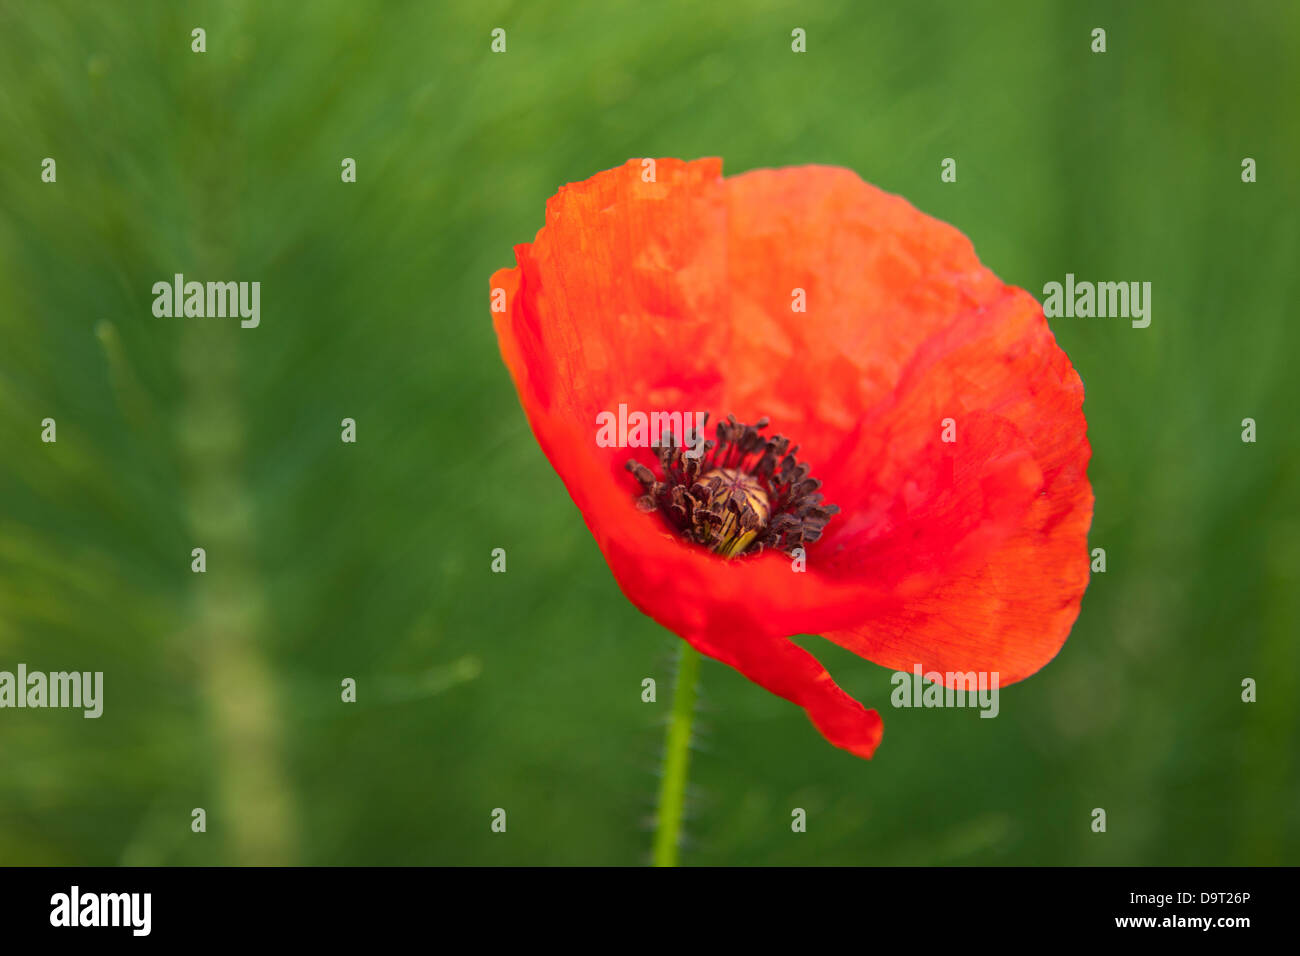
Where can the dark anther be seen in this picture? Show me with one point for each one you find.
(744, 493)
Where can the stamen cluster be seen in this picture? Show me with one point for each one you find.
(744, 493)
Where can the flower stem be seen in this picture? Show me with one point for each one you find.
(677, 759)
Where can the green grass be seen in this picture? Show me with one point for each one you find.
(372, 561)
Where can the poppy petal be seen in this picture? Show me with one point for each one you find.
(789, 671)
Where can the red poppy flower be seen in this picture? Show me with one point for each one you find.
(680, 294)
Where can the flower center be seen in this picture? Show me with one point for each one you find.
(735, 495)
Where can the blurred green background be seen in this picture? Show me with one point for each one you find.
(372, 561)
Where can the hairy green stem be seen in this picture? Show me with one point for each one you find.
(677, 759)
